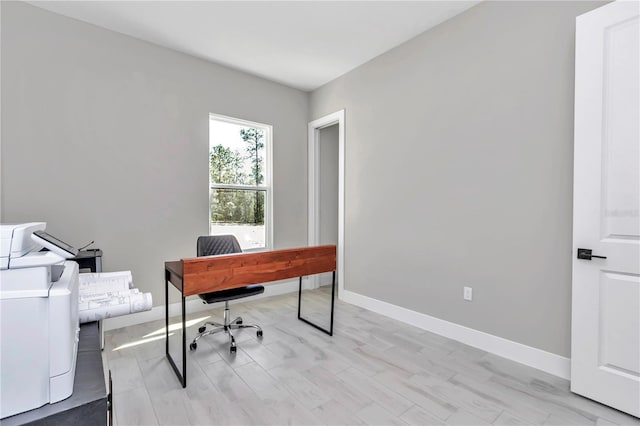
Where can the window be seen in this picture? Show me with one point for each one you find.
(240, 181)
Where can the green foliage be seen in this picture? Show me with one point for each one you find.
(236, 206)
(253, 138)
(232, 167)
(226, 166)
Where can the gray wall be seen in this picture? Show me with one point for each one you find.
(459, 159)
(105, 137)
(328, 185)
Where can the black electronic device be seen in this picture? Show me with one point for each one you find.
(55, 245)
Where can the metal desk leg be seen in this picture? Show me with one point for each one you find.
(166, 316)
(184, 343)
(333, 291)
(182, 377)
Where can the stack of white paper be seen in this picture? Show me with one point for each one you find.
(110, 294)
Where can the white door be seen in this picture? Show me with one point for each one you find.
(605, 343)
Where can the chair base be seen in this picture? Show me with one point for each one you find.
(226, 328)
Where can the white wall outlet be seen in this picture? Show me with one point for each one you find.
(468, 293)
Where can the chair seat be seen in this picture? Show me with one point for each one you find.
(232, 293)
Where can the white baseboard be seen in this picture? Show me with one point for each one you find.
(542, 360)
(192, 305)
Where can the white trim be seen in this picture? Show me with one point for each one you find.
(192, 305)
(546, 361)
(313, 156)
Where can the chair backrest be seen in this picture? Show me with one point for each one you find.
(210, 245)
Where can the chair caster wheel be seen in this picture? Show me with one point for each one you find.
(232, 349)
(193, 346)
(202, 329)
(259, 333)
(239, 322)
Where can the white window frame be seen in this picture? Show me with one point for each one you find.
(267, 186)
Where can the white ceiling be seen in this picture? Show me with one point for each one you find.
(303, 44)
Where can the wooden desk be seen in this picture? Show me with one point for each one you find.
(212, 273)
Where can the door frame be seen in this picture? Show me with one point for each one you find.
(313, 223)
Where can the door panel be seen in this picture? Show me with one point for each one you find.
(619, 307)
(621, 152)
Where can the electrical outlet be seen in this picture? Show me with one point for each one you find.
(468, 293)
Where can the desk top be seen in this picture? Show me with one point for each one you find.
(212, 273)
(173, 273)
(174, 266)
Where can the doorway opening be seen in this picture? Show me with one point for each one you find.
(326, 189)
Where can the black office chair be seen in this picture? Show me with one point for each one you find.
(210, 245)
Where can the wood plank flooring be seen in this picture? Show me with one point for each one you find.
(373, 371)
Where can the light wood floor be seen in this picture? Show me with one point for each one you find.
(374, 371)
